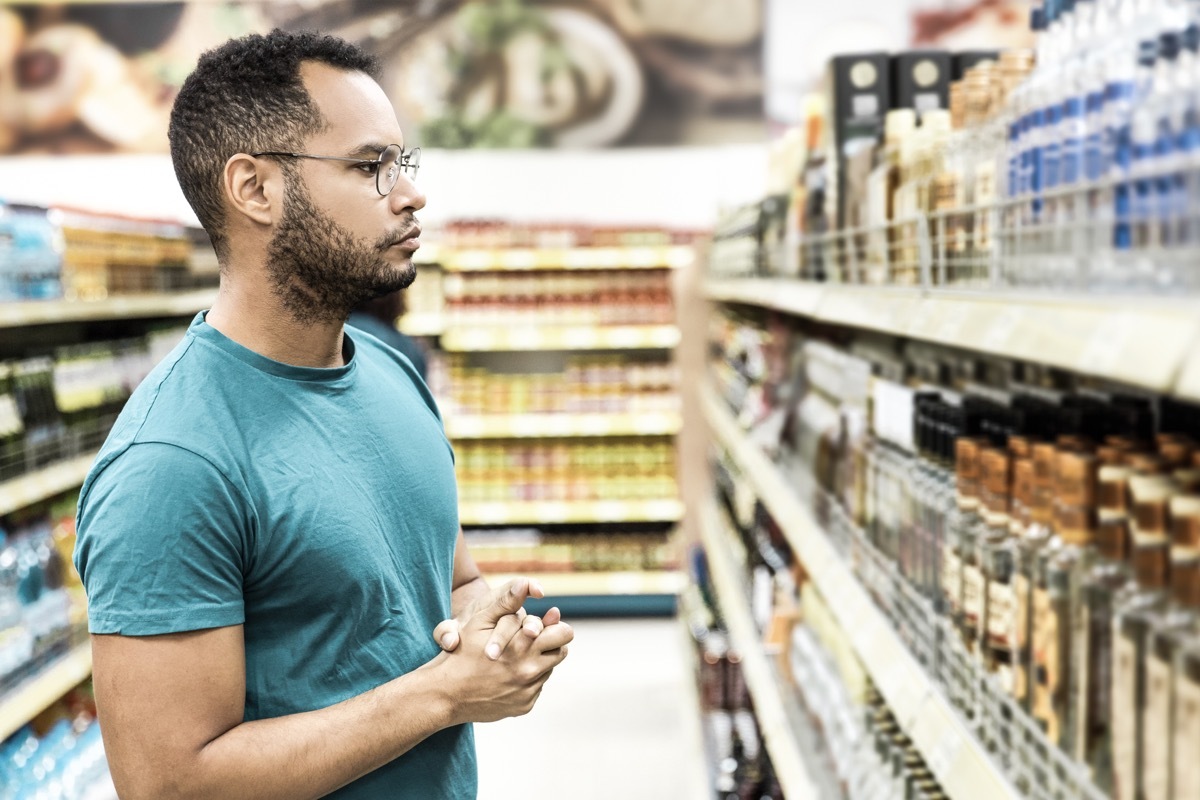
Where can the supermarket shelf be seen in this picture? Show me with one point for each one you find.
(575, 584)
(44, 484)
(428, 324)
(615, 337)
(35, 695)
(779, 735)
(1143, 341)
(533, 513)
(510, 259)
(43, 312)
(523, 426)
(956, 758)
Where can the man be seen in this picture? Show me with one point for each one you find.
(269, 537)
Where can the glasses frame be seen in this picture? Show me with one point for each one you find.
(407, 161)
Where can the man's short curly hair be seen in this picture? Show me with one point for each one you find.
(243, 97)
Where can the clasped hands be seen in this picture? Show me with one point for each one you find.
(521, 648)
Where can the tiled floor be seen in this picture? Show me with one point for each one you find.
(618, 720)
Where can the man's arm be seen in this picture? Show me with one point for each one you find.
(468, 584)
(171, 711)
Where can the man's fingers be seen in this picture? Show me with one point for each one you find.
(446, 634)
(552, 617)
(509, 599)
(506, 628)
(532, 626)
(554, 636)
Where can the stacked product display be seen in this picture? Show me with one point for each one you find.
(50, 254)
(552, 365)
(61, 756)
(88, 305)
(1030, 536)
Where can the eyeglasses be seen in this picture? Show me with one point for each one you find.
(393, 158)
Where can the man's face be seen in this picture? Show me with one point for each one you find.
(339, 242)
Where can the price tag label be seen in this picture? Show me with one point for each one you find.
(553, 512)
(578, 338)
(612, 511)
(525, 425)
(642, 257)
(626, 337)
(949, 327)
(1002, 328)
(518, 259)
(466, 427)
(525, 339)
(1107, 343)
(594, 425)
(486, 514)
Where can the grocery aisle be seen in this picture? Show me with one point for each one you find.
(619, 719)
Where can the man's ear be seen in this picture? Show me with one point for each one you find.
(253, 187)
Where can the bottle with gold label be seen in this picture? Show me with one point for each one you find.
(1111, 574)
(966, 466)
(997, 556)
(1133, 621)
(1172, 630)
(1021, 526)
(1076, 515)
(1040, 546)
(972, 527)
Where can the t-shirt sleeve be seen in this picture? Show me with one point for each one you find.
(162, 544)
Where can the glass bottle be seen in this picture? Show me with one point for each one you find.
(970, 528)
(966, 467)
(1040, 545)
(1132, 624)
(1111, 573)
(998, 557)
(1178, 624)
(1185, 772)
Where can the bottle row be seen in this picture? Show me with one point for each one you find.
(62, 405)
(856, 739)
(531, 550)
(586, 385)
(617, 297)
(38, 589)
(65, 762)
(56, 253)
(464, 234)
(1072, 164)
(1052, 525)
(734, 742)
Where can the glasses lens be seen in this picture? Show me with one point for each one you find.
(411, 162)
(389, 169)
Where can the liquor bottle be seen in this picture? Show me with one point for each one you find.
(969, 525)
(1172, 629)
(1076, 514)
(1040, 547)
(1132, 625)
(1185, 736)
(1110, 575)
(998, 558)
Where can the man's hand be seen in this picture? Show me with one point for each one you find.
(509, 598)
(485, 689)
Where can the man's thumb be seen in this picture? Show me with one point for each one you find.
(509, 600)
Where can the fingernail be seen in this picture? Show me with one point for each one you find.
(448, 640)
(534, 586)
(493, 651)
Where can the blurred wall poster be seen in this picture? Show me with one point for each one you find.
(101, 77)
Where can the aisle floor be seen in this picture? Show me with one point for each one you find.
(618, 719)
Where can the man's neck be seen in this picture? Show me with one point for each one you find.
(249, 313)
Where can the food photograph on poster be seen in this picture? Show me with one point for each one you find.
(100, 78)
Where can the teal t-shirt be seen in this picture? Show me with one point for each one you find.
(315, 507)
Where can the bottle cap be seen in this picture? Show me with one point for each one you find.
(1175, 453)
(1037, 19)
(1146, 464)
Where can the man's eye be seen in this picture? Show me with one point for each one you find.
(368, 167)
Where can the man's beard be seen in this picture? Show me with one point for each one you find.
(320, 271)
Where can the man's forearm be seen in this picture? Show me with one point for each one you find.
(310, 755)
(471, 591)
